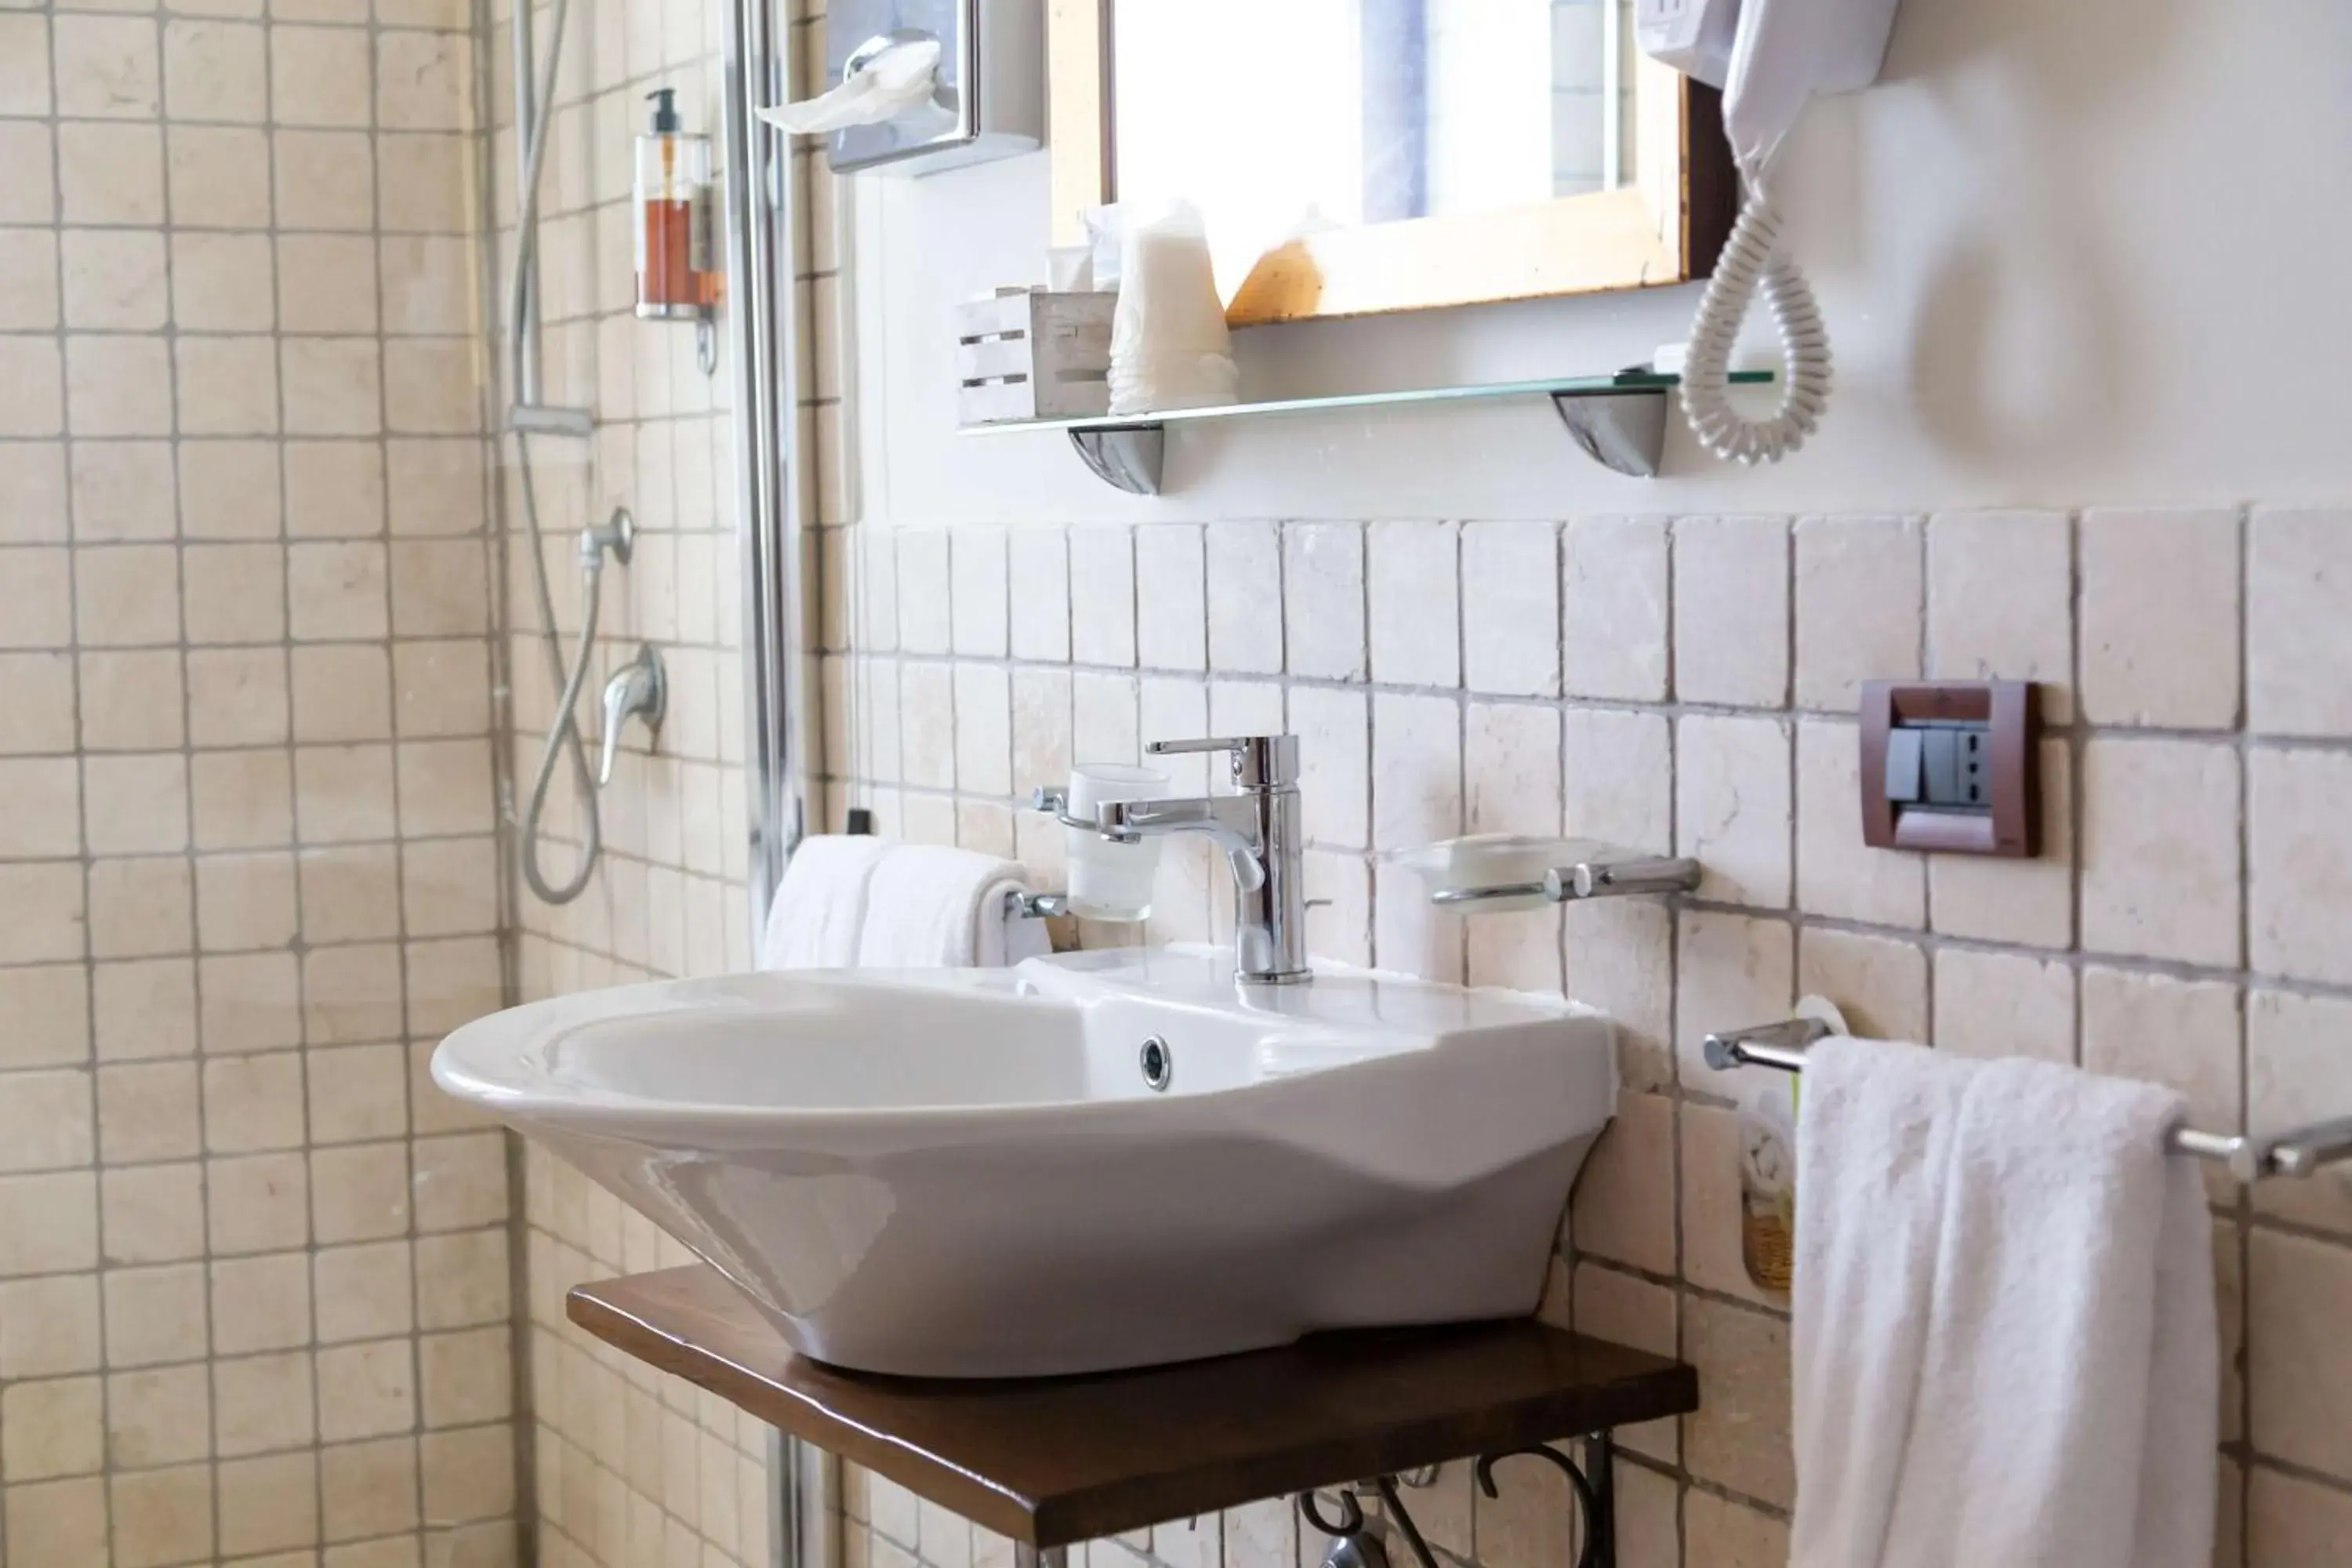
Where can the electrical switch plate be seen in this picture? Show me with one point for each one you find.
(1906, 763)
(1950, 765)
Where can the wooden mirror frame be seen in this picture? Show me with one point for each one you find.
(1666, 226)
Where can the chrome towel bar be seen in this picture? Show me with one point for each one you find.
(2249, 1157)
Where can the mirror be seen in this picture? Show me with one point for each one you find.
(1344, 112)
(1351, 156)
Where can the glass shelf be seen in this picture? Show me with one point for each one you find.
(1638, 379)
(1619, 421)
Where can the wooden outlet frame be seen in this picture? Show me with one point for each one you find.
(2009, 708)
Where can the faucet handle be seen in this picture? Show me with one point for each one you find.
(617, 698)
(640, 686)
(1259, 762)
(1204, 744)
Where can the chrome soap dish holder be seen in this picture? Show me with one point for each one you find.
(1494, 873)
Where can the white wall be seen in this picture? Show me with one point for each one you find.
(2083, 251)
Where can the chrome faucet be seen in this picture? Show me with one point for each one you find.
(1258, 827)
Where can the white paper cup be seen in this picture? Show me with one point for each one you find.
(1111, 882)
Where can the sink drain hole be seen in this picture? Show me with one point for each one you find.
(1159, 1063)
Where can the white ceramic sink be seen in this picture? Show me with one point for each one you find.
(966, 1174)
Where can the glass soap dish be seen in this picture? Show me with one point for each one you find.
(1495, 873)
(1508, 868)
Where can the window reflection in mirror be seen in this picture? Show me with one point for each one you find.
(1283, 118)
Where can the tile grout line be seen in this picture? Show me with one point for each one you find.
(171, 337)
(99, 1275)
(1677, 925)
(409, 1230)
(2241, 1354)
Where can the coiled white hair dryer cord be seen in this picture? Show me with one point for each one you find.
(1752, 258)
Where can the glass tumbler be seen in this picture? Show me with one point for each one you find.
(1111, 882)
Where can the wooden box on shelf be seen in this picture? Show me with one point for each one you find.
(1030, 353)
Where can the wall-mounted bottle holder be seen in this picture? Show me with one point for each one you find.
(677, 255)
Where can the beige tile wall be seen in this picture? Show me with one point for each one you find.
(1689, 683)
(254, 1300)
(631, 1469)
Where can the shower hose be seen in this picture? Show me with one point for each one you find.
(563, 745)
(1753, 261)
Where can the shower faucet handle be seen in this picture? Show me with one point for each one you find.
(640, 687)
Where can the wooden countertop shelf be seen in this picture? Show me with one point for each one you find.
(1055, 1462)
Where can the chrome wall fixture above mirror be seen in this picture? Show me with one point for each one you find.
(1358, 156)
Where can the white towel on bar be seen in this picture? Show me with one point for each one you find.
(930, 907)
(2004, 1339)
(818, 914)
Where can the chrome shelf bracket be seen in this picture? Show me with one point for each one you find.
(1624, 432)
(1124, 456)
(1356, 1538)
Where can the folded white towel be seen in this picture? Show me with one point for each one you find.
(929, 906)
(2004, 1342)
(819, 910)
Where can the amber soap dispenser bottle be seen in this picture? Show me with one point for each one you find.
(675, 278)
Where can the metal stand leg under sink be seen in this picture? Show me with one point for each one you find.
(1356, 1538)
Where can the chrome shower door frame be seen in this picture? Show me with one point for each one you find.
(764, 219)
